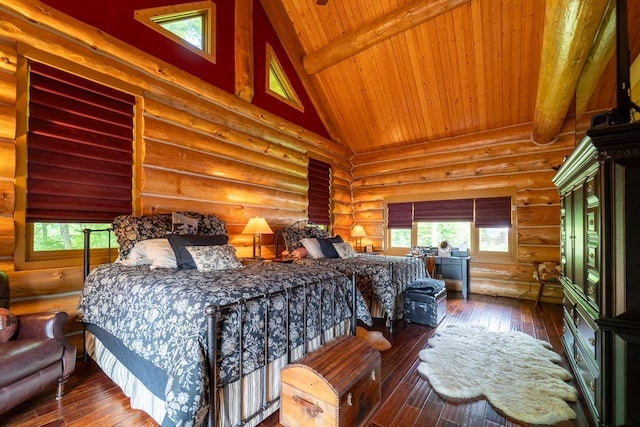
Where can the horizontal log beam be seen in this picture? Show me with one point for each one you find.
(402, 19)
(211, 165)
(89, 47)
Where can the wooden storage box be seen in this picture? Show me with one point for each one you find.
(336, 385)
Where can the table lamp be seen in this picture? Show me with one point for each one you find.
(358, 232)
(257, 226)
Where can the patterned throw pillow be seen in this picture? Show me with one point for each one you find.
(8, 325)
(210, 258)
(179, 245)
(131, 229)
(208, 224)
(293, 236)
(182, 224)
(345, 250)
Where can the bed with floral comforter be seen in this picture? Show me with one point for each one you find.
(379, 278)
(159, 315)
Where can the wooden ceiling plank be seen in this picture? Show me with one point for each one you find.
(526, 42)
(461, 30)
(448, 77)
(495, 29)
(419, 81)
(478, 61)
(418, 111)
(382, 28)
(471, 96)
(432, 62)
(508, 73)
(516, 9)
(562, 60)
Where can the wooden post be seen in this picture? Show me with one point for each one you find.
(244, 49)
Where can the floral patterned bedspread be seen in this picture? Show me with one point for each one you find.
(374, 278)
(160, 315)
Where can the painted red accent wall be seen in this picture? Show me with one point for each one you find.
(116, 17)
(264, 33)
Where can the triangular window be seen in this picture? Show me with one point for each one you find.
(190, 25)
(277, 83)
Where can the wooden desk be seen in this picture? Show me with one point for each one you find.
(455, 268)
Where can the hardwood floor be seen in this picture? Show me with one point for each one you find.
(407, 400)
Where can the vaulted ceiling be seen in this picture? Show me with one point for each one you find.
(386, 73)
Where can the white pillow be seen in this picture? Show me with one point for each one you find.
(209, 258)
(345, 250)
(133, 258)
(312, 246)
(157, 252)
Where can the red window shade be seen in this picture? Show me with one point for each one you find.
(79, 149)
(319, 192)
(444, 210)
(493, 212)
(400, 215)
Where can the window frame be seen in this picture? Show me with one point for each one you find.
(293, 100)
(207, 9)
(25, 258)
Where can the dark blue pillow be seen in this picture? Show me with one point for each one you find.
(327, 248)
(179, 242)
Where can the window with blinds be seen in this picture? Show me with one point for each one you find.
(487, 221)
(319, 192)
(79, 148)
(79, 154)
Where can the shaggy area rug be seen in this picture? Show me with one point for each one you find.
(517, 373)
(374, 338)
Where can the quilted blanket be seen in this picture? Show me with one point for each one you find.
(375, 279)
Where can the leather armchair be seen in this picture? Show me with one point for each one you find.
(37, 356)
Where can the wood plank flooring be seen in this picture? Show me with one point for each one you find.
(407, 400)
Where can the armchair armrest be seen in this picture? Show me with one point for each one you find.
(42, 325)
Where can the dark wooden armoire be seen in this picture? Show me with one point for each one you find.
(599, 184)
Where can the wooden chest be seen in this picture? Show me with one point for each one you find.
(336, 385)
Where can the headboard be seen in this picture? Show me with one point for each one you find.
(131, 229)
(292, 234)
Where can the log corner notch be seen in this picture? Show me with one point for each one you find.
(570, 30)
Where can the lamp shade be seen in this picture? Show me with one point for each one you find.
(358, 231)
(257, 225)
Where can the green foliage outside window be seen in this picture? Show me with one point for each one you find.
(400, 237)
(189, 29)
(432, 233)
(49, 236)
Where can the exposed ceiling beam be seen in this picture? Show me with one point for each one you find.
(601, 52)
(406, 17)
(570, 29)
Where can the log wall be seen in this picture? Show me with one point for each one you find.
(199, 148)
(490, 160)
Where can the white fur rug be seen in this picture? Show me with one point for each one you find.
(517, 373)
